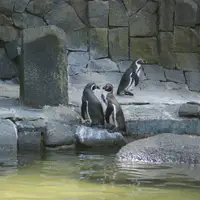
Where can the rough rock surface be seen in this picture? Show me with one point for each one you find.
(93, 137)
(189, 110)
(8, 135)
(162, 148)
(193, 80)
(48, 83)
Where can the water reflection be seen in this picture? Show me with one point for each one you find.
(82, 174)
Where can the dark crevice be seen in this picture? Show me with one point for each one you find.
(139, 9)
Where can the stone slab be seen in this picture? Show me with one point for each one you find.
(193, 80)
(176, 76)
(48, 82)
(154, 72)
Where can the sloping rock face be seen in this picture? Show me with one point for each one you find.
(163, 148)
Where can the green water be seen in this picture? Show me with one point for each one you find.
(93, 175)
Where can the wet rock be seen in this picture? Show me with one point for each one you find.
(13, 48)
(154, 72)
(134, 6)
(176, 76)
(166, 15)
(20, 5)
(8, 33)
(77, 40)
(29, 134)
(117, 13)
(93, 137)
(6, 6)
(145, 48)
(187, 61)
(77, 62)
(26, 20)
(81, 8)
(143, 24)
(49, 76)
(59, 134)
(163, 148)
(8, 136)
(4, 20)
(7, 67)
(193, 80)
(98, 43)
(57, 16)
(189, 110)
(102, 65)
(185, 40)
(98, 13)
(166, 46)
(38, 7)
(118, 44)
(186, 13)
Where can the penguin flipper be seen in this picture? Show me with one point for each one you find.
(109, 111)
(83, 109)
(136, 78)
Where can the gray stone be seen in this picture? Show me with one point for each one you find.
(59, 134)
(48, 83)
(77, 40)
(124, 65)
(6, 6)
(102, 65)
(13, 48)
(150, 7)
(8, 33)
(166, 47)
(163, 148)
(93, 137)
(38, 7)
(30, 133)
(117, 13)
(8, 136)
(7, 68)
(166, 15)
(133, 7)
(176, 76)
(185, 40)
(98, 13)
(154, 72)
(193, 80)
(186, 13)
(143, 24)
(118, 44)
(145, 48)
(81, 8)
(98, 43)
(20, 5)
(77, 62)
(189, 110)
(4, 20)
(187, 61)
(57, 16)
(26, 20)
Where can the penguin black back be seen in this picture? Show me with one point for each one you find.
(130, 75)
(114, 109)
(91, 106)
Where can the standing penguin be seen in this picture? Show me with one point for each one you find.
(91, 106)
(113, 110)
(130, 76)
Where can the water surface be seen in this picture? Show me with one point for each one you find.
(85, 175)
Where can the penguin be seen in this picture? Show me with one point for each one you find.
(113, 111)
(91, 106)
(130, 76)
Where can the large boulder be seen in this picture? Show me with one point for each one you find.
(44, 67)
(193, 80)
(190, 109)
(8, 33)
(163, 148)
(8, 136)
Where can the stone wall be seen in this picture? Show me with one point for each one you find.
(164, 32)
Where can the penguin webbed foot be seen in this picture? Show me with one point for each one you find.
(128, 93)
(86, 122)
